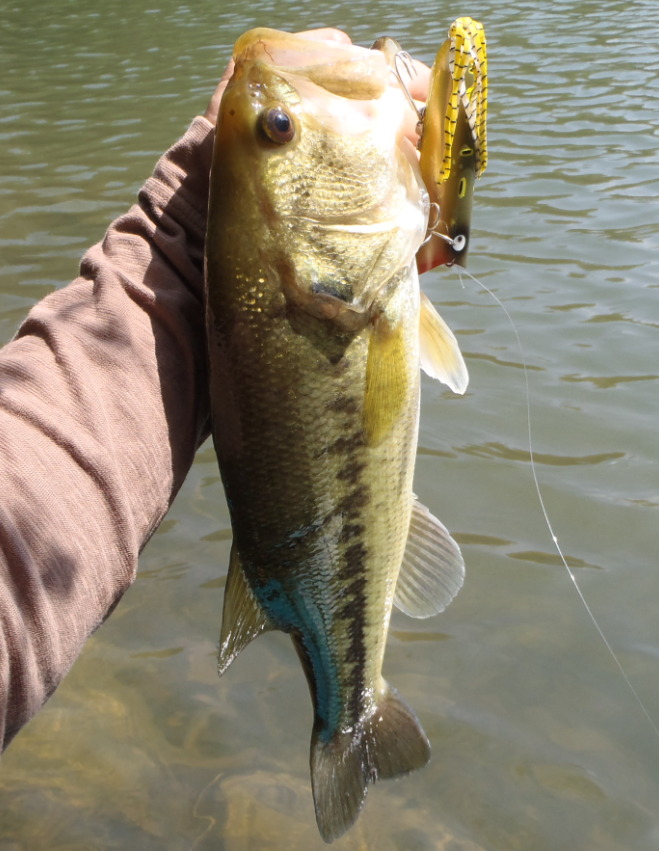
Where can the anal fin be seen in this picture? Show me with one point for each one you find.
(242, 617)
(440, 354)
(432, 571)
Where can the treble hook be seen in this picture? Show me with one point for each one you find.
(406, 61)
(434, 207)
(456, 244)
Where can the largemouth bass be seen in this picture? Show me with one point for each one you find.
(314, 315)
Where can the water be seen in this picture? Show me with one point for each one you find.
(537, 742)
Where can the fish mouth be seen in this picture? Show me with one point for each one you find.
(342, 69)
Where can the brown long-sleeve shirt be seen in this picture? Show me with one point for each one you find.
(103, 402)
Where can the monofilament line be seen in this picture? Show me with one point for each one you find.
(544, 510)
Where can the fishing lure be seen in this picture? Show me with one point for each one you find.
(453, 143)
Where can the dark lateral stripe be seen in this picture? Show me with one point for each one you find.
(350, 612)
(345, 405)
(357, 588)
(351, 472)
(351, 505)
(347, 444)
(353, 564)
(353, 615)
(351, 530)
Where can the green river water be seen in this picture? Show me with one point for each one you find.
(538, 743)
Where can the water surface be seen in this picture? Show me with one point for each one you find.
(537, 742)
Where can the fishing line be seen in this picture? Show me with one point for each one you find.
(544, 510)
(212, 821)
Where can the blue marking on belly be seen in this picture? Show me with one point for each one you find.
(291, 610)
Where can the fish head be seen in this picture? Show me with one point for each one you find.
(315, 166)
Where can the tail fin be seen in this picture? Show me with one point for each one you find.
(389, 743)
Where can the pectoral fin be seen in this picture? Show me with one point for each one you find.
(433, 569)
(242, 617)
(387, 382)
(441, 357)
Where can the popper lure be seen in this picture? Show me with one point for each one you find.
(453, 144)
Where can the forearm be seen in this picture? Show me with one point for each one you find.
(103, 402)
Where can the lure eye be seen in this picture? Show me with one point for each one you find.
(277, 125)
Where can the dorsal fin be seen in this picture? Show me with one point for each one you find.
(440, 354)
(242, 618)
(432, 571)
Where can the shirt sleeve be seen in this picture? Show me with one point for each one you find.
(103, 402)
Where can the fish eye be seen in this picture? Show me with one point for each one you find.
(466, 151)
(462, 187)
(277, 125)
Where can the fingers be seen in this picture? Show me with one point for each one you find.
(418, 84)
(409, 125)
(214, 104)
